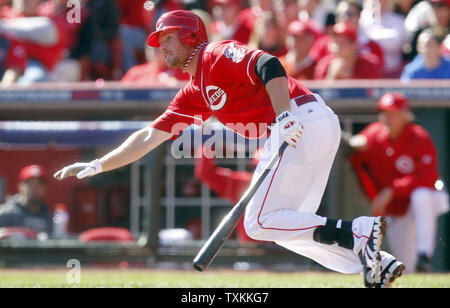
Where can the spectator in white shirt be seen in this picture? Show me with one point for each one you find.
(386, 28)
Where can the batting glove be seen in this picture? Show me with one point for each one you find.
(80, 170)
(291, 129)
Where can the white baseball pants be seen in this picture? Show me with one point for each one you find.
(415, 232)
(283, 209)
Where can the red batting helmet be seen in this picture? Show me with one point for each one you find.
(191, 29)
(393, 101)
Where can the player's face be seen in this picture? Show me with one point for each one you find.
(33, 189)
(394, 120)
(174, 52)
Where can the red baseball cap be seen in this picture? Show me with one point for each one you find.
(298, 27)
(32, 171)
(393, 101)
(346, 29)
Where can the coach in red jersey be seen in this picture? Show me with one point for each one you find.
(397, 164)
(248, 91)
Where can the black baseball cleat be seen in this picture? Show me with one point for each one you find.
(369, 246)
(390, 270)
(423, 264)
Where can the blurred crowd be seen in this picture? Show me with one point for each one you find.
(87, 40)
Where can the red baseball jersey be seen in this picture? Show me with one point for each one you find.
(226, 86)
(403, 164)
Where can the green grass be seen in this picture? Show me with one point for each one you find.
(211, 279)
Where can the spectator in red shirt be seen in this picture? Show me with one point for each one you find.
(345, 61)
(348, 11)
(135, 23)
(71, 19)
(268, 35)
(226, 24)
(155, 71)
(44, 38)
(397, 164)
(300, 38)
(246, 20)
(13, 59)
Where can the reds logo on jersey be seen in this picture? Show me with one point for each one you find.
(405, 164)
(216, 97)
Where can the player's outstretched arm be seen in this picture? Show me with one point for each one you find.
(136, 146)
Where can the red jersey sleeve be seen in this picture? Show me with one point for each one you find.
(231, 58)
(184, 110)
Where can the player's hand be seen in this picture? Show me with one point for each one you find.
(291, 129)
(80, 170)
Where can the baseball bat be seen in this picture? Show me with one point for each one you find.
(222, 232)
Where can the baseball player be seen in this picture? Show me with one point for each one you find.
(397, 164)
(247, 88)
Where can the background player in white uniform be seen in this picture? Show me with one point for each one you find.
(249, 85)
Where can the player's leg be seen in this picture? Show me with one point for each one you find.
(284, 206)
(425, 220)
(333, 257)
(423, 207)
(401, 239)
(283, 209)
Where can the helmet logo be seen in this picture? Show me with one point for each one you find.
(216, 97)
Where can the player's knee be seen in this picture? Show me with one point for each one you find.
(251, 229)
(254, 229)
